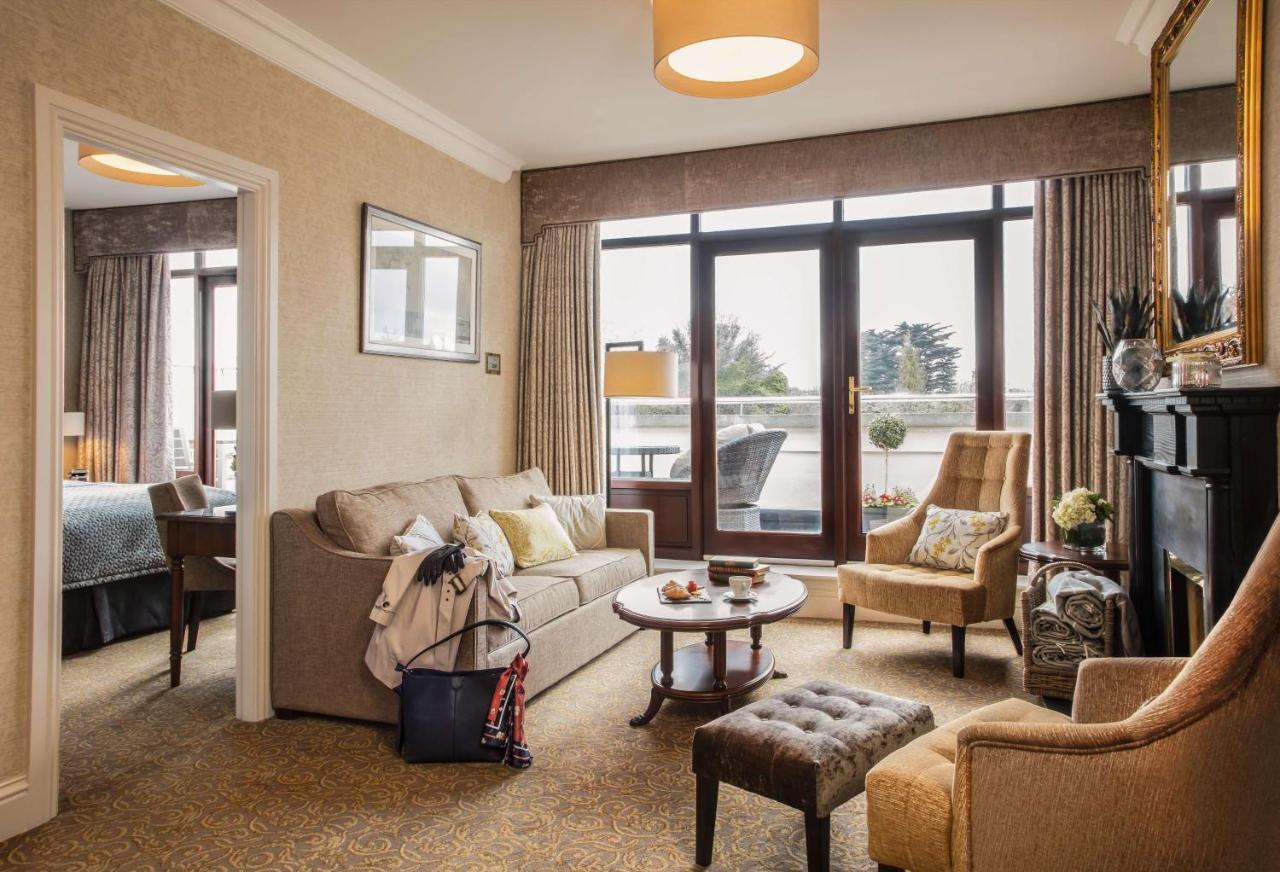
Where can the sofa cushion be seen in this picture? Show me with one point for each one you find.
(505, 492)
(367, 520)
(540, 600)
(583, 518)
(536, 536)
(946, 596)
(596, 573)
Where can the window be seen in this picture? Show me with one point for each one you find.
(786, 215)
(662, 225)
(938, 202)
(1019, 324)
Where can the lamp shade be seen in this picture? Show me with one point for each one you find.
(126, 169)
(641, 374)
(222, 410)
(72, 424)
(734, 48)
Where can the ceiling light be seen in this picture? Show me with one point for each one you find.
(126, 169)
(734, 48)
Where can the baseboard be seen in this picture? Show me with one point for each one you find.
(18, 812)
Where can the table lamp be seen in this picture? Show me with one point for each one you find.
(634, 373)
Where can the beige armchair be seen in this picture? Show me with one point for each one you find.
(983, 471)
(1165, 764)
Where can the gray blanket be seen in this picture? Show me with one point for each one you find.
(1079, 600)
(1063, 655)
(109, 532)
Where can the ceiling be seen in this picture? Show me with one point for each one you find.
(85, 190)
(570, 81)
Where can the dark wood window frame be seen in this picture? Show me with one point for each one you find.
(839, 241)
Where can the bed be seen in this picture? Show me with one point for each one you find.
(114, 577)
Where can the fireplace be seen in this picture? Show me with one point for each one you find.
(1202, 485)
(1184, 606)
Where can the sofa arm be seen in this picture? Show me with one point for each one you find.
(631, 528)
(996, 569)
(1111, 689)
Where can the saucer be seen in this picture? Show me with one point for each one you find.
(728, 597)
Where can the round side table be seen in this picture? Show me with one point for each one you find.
(1110, 563)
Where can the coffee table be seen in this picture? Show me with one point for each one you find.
(717, 669)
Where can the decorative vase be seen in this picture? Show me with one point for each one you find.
(1090, 538)
(1108, 377)
(1137, 364)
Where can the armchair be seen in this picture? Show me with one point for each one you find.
(1166, 763)
(983, 471)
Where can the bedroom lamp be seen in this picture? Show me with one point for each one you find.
(72, 424)
(126, 169)
(734, 48)
(222, 410)
(634, 374)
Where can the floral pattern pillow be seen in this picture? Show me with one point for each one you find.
(483, 534)
(950, 538)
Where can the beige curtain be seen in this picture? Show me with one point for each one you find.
(124, 370)
(560, 359)
(1092, 234)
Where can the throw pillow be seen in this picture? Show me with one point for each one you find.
(535, 535)
(582, 517)
(481, 533)
(419, 536)
(950, 538)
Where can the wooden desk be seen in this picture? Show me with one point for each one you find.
(1111, 563)
(193, 533)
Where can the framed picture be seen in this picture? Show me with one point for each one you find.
(493, 363)
(420, 289)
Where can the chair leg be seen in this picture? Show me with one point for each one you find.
(957, 651)
(708, 792)
(193, 619)
(926, 626)
(1012, 627)
(848, 625)
(817, 842)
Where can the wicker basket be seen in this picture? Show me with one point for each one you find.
(1040, 680)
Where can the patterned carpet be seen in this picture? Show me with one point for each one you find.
(155, 779)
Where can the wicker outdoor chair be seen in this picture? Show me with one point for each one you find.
(1060, 683)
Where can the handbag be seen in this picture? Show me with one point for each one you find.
(443, 715)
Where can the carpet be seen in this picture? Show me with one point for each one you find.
(160, 779)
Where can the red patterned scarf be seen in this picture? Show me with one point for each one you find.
(505, 725)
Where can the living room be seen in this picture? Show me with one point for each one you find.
(908, 370)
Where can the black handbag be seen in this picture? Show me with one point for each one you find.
(443, 714)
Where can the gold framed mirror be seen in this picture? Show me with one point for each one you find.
(1206, 88)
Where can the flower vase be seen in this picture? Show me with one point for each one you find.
(1087, 538)
(1137, 364)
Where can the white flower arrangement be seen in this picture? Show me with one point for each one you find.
(1080, 506)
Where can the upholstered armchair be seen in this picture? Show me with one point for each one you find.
(982, 471)
(1165, 763)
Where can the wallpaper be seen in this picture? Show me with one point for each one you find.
(345, 419)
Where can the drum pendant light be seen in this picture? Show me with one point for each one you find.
(126, 169)
(734, 48)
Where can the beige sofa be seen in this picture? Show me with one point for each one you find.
(327, 568)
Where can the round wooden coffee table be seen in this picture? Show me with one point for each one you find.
(717, 669)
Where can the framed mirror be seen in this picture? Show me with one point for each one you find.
(1206, 72)
(421, 289)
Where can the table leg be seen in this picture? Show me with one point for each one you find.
(175, 620)
(719, 661)
(755, 637)
(666, 659)
(711, 638)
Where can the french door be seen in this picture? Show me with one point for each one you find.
(765, 335)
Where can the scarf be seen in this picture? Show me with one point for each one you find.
(505, 725)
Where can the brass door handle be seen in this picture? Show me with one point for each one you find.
(854, 390)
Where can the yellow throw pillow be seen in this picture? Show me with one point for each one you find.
(536, 535)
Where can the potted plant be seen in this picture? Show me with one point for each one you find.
(1136, 361)
(1082, 516)
(880, 509)
(887, 432)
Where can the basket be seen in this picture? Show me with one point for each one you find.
(1040, 680)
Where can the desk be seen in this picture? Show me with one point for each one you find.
(193, 533)
(1111, 563)
(646, 453)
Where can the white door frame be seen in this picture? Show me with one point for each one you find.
(28, 801)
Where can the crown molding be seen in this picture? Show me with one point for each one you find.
(276, 38)
(1143, 22)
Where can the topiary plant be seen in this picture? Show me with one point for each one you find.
(887, 433)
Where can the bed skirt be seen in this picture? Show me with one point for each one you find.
(95, 616)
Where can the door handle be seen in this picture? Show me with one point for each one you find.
(854, 390)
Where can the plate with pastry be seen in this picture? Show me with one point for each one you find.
(683, 592)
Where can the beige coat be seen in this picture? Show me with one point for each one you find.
(410, 616)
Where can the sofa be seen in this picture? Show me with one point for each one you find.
(327, 568)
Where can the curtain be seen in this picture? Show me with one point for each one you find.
(124, 366)
(559, 426)
(1092, 235)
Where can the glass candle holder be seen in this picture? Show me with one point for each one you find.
(1196, 369)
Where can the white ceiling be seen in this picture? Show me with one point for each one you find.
(85, 190)
(569, 81)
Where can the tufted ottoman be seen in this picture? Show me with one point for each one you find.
(809, 748)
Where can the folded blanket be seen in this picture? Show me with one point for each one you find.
(1047, 626)
(1079, 600)
(1063, 655)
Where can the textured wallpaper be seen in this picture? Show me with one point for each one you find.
(345, 419)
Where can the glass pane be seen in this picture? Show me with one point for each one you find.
(1180, 247)
(224, 379)
(1227, 253)
(917, 365)
(1019, 193)
(645, 297)
(183, 354)
(661, 225)
(787, 215)
(1218, 174)
(769, 392)
(182, 260)
(918, 203)
(1019, 326)
(220, 257)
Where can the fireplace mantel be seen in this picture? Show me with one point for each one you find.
(1203, 489)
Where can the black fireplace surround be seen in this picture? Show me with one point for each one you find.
(1202, 472)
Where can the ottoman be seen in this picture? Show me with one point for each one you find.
(810, 748)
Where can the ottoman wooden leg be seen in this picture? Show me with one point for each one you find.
(817, 842)
(848, 625)
(705, 827)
